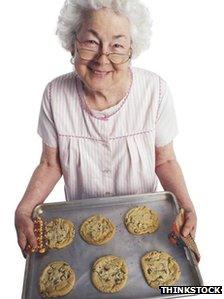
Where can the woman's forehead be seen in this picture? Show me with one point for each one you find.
(100, 33)
(105, 22)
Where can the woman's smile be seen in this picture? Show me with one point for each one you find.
(98, 73)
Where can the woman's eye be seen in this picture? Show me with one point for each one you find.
(118, 46)
(92, 42)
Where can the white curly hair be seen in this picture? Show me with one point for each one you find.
(72, 14)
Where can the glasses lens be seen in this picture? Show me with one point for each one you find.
(113, 57)
(87, 54)
(118, 58)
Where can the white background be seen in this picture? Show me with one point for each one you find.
(186, 50)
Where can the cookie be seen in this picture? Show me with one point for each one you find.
(97, 230)
(141, 220)
(56, 280)
(109, 274)
(59, 233)
(160, 269)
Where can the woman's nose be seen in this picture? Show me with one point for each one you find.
(102, 58)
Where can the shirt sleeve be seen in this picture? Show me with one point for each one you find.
(46, 126)
(166, 122)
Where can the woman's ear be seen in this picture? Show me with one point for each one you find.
(73, 52)
(72, 59)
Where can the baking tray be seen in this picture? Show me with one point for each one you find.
(81, 255)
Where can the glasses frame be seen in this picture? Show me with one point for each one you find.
(99, 53)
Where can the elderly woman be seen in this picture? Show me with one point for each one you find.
(107, 127)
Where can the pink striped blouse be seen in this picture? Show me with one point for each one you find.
(109, 152)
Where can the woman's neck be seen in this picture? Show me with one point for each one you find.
(103, 99)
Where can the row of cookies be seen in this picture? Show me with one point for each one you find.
(109, 274)
(159, 268)
(98, 230)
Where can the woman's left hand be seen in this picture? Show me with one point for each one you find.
(190, 223)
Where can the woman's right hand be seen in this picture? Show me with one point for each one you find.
(25, 231)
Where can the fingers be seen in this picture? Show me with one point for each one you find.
(187, 229)
(24, 253)
(24, 240)
(21, 240)
(189, 225)
(31, 238)
(193, 232)
(22, 243)
(26, 236)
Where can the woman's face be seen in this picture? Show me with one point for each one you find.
(105, 32)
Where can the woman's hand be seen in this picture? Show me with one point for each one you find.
(190, 223)
(43, 180)
(25, 231)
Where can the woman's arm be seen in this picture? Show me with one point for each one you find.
(171, 177)
(43, 180)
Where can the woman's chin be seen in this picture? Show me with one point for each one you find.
(98, 83)
(99, 87)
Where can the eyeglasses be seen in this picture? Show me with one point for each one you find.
(116, 58)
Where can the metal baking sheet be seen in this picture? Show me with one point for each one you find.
(81, 255)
